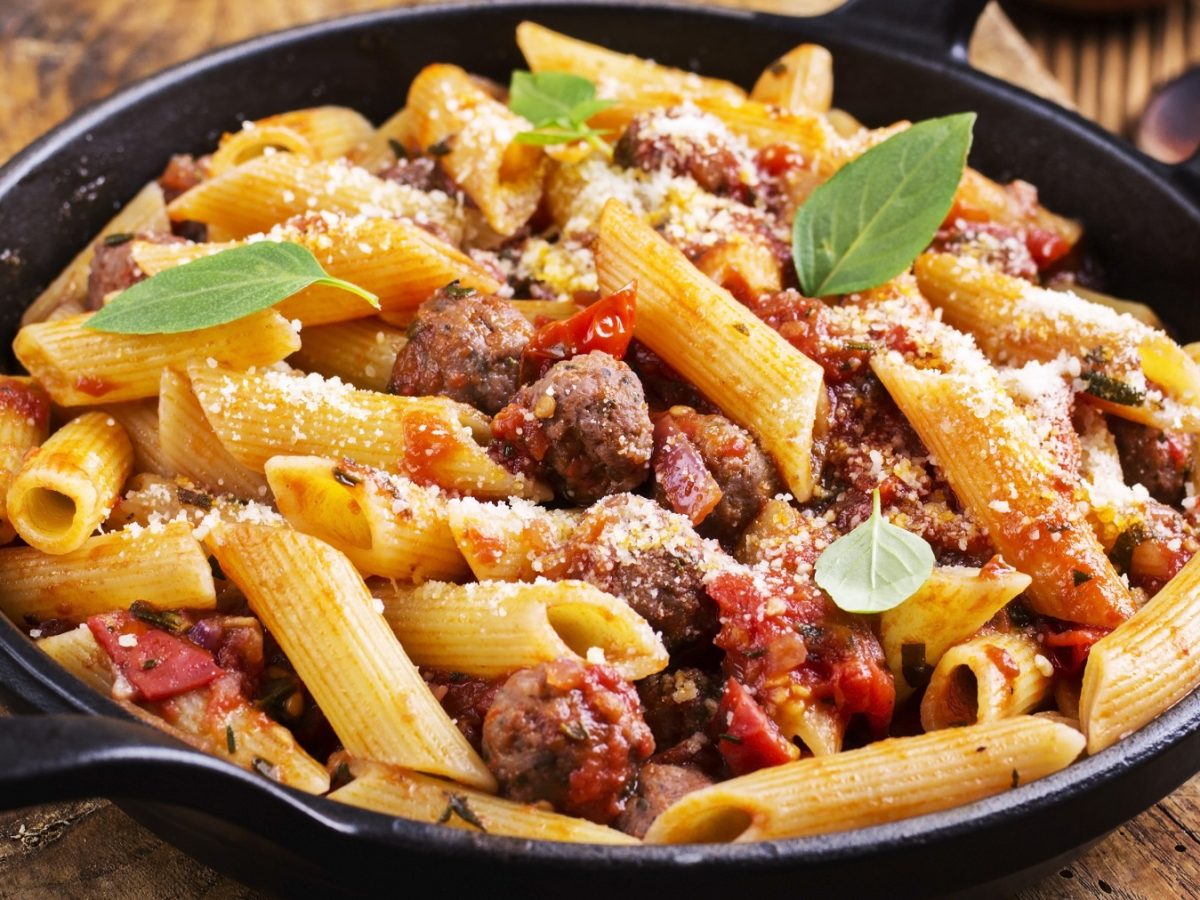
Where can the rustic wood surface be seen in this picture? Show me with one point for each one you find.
(56, 55)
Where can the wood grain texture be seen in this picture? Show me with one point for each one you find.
(56, 55)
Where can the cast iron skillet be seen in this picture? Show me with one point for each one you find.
(893, 58)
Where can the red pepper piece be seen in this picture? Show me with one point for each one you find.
(748, 739)
(680, 471)
(605, 325)
(159, 665)
(1045, 247)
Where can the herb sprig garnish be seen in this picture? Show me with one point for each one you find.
(217, 289)
(875, 567)
(558, 104)
(867, 223)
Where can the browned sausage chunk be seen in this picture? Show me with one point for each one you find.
(679, 704)
(586, 426)
(463, 345)
(1159, 460)
(570, 734)
(113, 268)
(685, 142)
(659, 785)
(650, 558)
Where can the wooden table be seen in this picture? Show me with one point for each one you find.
(58, 54)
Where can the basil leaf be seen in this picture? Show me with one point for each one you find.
(868, 222)
(875, 567)
(217, 289)
(558, 104)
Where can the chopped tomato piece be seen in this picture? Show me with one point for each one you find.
(605, 325)
(1045, 247)
(680, 471)
(747, 738)
(158, 665)
(1068, 649)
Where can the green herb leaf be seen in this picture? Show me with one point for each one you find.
(230, 740)
(869, 221)
(874, 568)
(558, 104)
(217, 289)
(458, 805)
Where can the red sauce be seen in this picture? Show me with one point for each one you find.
(1067, 645)
(1003, 661)
(426, 445)
(606, 325)
(93, 385)
(26, 401)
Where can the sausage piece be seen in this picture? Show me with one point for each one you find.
(463, 345)
(1158, 460)
(568, 733)
(659, 785)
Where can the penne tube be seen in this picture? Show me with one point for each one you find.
(513, 541)
(67, 486)
(310, 598)
(616, 75)
(526, 624)
(139, 418)
(164, 566)
(1146, 665)
(323, 132)
(81, 367)
(151, 501)
(953, 604)
(191, 447)
(24, 424)
(273, 188)
(889, 780)
(986, 449)
(361, 352)
(738, 362)
(431, 440)
(411, 795)
(145, 212)
(800, 81)
(986, 678)
(399, 262)
(503, 176)
(980, 198)
(1015, 322)
(386, 525)
(1139, 311)
(379, 150)
(77, 652)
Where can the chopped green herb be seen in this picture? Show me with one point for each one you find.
(217, 289)
(457, 290)
(732, 738)
(341, 476)
(397, 149)
(875, 567)
(558, 104)
(459, 677)
(198, 499)
(575, 730)
(1016, 778)
(230, 740)
(913, 667)
(1105, 387)
(265, 768)
(859, 345)
(148, 664)
(166, 619)
(756, 653)
(440, 149)
(457, 805)
(118, 238)
(275, 693)
(1127, 541)
(743, 328)
(1080, 577)
(869, 221)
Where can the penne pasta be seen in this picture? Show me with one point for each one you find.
(361, 352)
(430, 440)
(275, 187)
(68, 485)
(889, 780)
(344, 651)
(81, 367)
(514, 541)
(24, 424)
(756, 377)
(139, 418)
(986, 678)
(386, 525)
(800, 81)
(163, 566)
(987, 451)
(1146, 665)
(323, 132)
(526, 623)
(953, 604)
(411, 795)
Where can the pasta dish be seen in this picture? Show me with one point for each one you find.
(613, 456)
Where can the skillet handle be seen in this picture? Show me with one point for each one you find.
(943, 27)
(47, 758)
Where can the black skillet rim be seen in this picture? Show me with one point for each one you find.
(42, 683)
